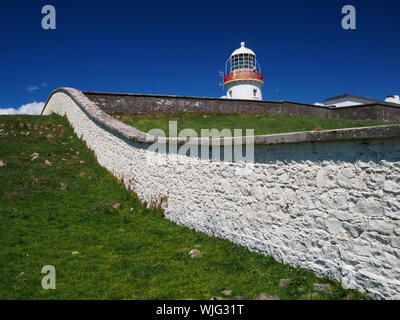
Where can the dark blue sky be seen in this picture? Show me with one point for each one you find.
(166, 47)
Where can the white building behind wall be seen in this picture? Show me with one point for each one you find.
(348, 100)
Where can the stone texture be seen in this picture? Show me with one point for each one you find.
(194, 253)
(382, 227)
(321, 287)
(146, 103)
(395, 242)
(34, 156)
(284, 282)
(264, 296)
(116, 206)
(326, 207)
(311, 296)
(227, 292)
(392, 187)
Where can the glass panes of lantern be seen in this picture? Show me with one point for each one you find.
(243, 61)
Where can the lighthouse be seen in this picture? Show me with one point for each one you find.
(243, 78)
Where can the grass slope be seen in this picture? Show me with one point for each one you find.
(261, 123)
(50, 210)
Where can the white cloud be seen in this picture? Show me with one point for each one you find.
(32, 88)
(34, 108)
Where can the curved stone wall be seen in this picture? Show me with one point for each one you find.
(326, 201)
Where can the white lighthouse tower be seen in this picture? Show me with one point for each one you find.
(243, 78)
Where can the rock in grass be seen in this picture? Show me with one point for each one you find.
(310, 296)
(322, 287)
(34, 156)
(284, 282)
(74, 253)
(48, 163)
(195, 253)
(264, 296)
(217, 298)
(2, 164)
(63, 186)
(117, 205)
(227, 292)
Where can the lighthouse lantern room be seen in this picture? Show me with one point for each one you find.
(243, 78)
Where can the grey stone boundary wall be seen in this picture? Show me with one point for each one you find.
(326, 201)
(140, 103)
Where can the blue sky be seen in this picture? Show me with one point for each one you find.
(166, 47)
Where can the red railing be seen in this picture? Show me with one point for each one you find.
(243, 75)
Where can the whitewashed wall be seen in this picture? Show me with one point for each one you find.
(331, 207)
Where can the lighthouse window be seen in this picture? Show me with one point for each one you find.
(243, 61)
(254, 92)
(252, 62)
(230, 93)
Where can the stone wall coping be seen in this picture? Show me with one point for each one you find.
(195, 98)
(372, 103)
(134, 134)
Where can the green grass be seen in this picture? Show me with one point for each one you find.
(42, 224)
(261, 123)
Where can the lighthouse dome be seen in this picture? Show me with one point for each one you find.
(242, 50)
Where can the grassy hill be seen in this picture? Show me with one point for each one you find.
(261, 123)
(59, 207)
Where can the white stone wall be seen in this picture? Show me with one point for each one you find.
(331, 207)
